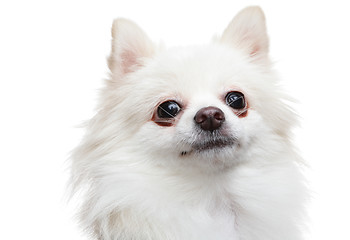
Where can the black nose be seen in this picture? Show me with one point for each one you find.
(209, 118)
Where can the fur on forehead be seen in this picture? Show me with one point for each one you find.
(185, 71)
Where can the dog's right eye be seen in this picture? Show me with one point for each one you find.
(168, 109)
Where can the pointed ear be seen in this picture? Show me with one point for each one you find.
(247, 31)
(130, 45)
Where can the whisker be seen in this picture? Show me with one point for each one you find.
(239, 113)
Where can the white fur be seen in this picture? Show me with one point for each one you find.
(135, 182)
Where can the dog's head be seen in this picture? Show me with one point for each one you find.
(193, 105)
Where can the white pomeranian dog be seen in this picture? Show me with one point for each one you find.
(191, 143)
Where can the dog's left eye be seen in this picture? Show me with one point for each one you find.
(168, 109)
(235, 100)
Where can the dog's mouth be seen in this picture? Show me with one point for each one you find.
(210, 145)
(215, 144)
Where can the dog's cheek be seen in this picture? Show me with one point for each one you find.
(253, 130)
(185, 130)
(155, 138)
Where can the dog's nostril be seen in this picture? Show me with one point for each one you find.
(209, 118)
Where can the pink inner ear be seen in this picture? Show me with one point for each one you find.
(255, 50)
(250, 42)
(128, 61)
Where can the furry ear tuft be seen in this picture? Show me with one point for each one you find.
(247, 31)
(130, 45)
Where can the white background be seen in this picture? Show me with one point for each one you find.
(53, 59)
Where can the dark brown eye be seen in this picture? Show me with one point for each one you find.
(235, 100)
(168, 109)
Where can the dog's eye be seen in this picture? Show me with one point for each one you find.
(235, 100)
(168, 109)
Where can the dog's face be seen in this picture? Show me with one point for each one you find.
(200, 106)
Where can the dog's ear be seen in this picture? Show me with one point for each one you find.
(130, 46)
(247, 31)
